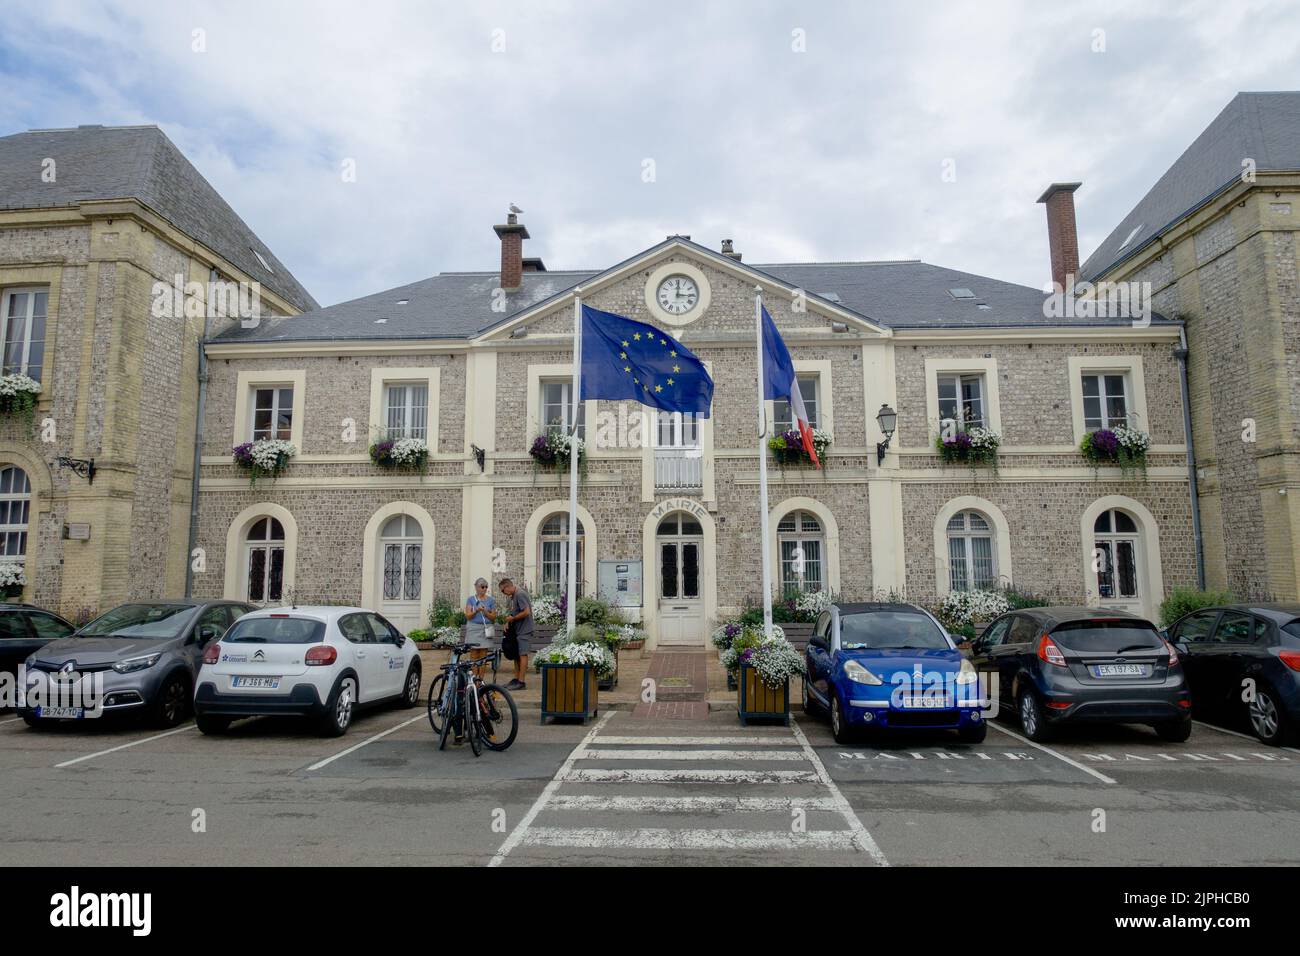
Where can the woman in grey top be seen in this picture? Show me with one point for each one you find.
(480, 613)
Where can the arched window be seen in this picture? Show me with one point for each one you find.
(403, 542)
(802, 543)
(15, 509)
(1115, 539)
(971, 564)
(553, 556)
(264, 547)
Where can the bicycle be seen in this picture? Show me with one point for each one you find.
(485, 713)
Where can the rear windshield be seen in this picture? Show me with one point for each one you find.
(275, 630)
(1107, 636)
(890, 630)
(156, 621)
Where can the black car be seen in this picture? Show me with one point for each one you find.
(140, 658)
(1068, 665)
(25, 629)
(1243, 661)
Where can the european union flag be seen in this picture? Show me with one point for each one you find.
(626, 359)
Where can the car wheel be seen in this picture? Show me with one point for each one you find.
(973, 733)
(1031, 717)
(210, 725)
(1174, 731)
(411, 691)
(338, 714)
(1266, 717)
(34, 722)
(173, 703)
(808, 706)
(839, 727)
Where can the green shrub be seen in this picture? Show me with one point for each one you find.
(1023, 599)
(591, 610)
(420, 634)
(1185, 600)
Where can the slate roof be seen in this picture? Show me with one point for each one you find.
(1264, 127)
(137, 162)
(905, 294)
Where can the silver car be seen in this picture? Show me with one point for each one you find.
(137, 658)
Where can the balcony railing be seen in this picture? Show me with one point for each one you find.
(679, 468)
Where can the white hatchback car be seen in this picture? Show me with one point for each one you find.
(317, 662)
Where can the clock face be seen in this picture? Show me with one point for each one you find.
(678, 294)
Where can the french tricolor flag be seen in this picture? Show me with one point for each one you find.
(779, 382)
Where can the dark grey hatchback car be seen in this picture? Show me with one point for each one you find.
(1059, 665)
(146, 654)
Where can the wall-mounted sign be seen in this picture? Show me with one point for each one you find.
(619, 582)
(77, 531)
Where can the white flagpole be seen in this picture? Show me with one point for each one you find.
(762, 471)
(570, 618)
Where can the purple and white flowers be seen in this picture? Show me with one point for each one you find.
(410, 453)
(266, 457)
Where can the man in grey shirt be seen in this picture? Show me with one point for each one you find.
(520, 618)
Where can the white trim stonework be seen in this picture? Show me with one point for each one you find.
(269, 378)
(370, 591)
(1130, 366)
(1151, 587)
(1001, 539)
(236, 588)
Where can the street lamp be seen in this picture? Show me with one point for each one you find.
(887, 419)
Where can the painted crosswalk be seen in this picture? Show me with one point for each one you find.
(764, 790)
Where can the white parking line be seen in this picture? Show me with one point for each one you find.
(781, 741)
(1059, 756)
(1236, 733)
(10, 720)
(860, 837)
(640, 775)
(521, 828)
(724, 755)
(657, 838)
(112, 750)
(689, 804)
(369, 740)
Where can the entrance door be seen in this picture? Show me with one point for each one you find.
(680, 541)
(1117, 562)
(402, 549)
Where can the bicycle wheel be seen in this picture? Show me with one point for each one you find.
(437, 690)
(449, 714)
(473, 729)
(500, 717)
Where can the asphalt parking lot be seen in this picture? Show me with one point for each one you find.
(628, 791)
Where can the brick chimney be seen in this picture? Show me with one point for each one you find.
(512, 236)
(1062, 234)
(729, 251)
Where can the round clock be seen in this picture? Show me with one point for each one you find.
(677, 294)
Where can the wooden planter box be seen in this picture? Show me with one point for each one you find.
(755, 700)
(569, 690)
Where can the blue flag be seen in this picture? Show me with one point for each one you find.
(626, 359)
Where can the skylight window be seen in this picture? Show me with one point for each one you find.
(961, 293)
(403, 301)
(830, 296)
(262, 259)
(1133, 235)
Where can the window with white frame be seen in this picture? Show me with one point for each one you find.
(15, 509)
(677, 430)
(22, 317)
(553, 556)
(264, 561)
(961, 399)
(809, 389)
(801, 545)
(272, 412)
(406, 410)
(557, 406)
(971, 565)
(403, 542)
(1105, 400)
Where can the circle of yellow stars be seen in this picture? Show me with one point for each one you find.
(649, 340)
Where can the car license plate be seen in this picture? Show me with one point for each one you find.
(65, 713)
(1118, 670)
(927, 702)
(265, 683)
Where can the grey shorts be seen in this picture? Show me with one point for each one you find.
(476, 635)
(525, 643)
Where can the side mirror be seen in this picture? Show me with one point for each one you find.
(208, 633)
(819, 640)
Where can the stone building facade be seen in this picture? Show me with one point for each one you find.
(684, 505)
(90, 220)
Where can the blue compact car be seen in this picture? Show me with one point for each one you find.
(891, 667)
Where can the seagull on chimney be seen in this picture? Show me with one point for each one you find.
(515, 209)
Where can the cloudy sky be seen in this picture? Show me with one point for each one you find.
(803, 131)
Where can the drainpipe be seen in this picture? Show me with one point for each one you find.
(1180, 353)
(198, 453)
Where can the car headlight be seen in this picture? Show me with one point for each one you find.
(968, 674)
(132, 664)
(859, 674)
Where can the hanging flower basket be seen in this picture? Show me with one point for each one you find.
(1122, 446)
(787, 447)
(18, 395)
(264, 458)
(12, 580)
(402, 454)
(976, 447)
(553, 449)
